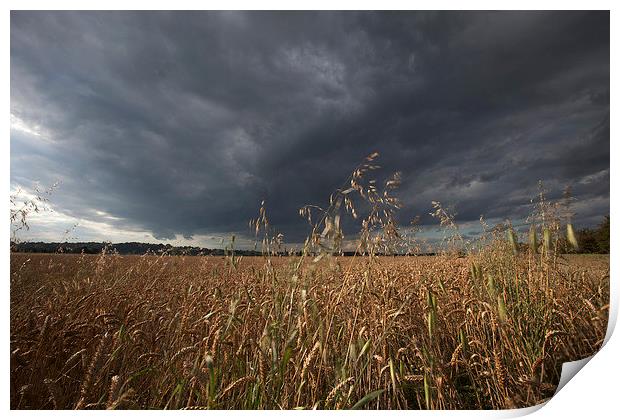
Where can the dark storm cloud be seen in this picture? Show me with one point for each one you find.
(180, 123)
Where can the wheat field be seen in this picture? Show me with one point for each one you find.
(485, 331)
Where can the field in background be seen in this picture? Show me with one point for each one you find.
(489, 330)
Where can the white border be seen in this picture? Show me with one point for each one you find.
(592, 394)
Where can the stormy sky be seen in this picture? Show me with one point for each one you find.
(173, 126)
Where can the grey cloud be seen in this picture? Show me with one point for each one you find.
(182, 122)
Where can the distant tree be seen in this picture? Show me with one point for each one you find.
(587, 241)
(602, 236)
(595, 241)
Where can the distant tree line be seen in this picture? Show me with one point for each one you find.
(125, 248)
(595, 241)
(141, 248)
(591, 241)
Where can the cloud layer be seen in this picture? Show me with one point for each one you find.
(178, 124)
